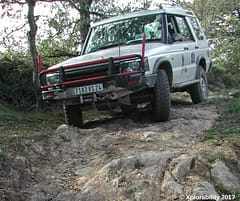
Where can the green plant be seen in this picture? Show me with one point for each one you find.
(232, 195)
(213, 158)
(17, 127)
(16, 86)
(234, 106)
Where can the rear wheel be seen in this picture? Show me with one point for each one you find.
(161, 100)
(199, 91)
(73, 115)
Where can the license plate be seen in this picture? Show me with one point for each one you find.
(88, 89)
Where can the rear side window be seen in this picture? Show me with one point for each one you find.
(184, 29)
(197, 29)
(178, 29)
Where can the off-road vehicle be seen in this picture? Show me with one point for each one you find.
(132, 59)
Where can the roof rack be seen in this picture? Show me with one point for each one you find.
(169, 4)
(160, 5)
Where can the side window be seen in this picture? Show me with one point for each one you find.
(197, 29)
(153, 30)
(173, 31)
(184, 29)
(178, 29)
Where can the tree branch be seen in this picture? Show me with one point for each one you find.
(25, 1)
(16, 29)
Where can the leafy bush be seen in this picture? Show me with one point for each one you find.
(234, 107)
(16, 86)
(226, 62)
(228, 122)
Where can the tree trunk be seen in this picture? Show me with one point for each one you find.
(33, 50)
(83, 7)
(85, 18)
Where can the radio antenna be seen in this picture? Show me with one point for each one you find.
(119, 49)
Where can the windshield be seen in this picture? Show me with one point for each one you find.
(127, 31)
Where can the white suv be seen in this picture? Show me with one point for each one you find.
(132, 59)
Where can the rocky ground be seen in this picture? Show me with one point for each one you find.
(125, 158)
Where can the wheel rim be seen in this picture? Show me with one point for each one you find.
(204, 89)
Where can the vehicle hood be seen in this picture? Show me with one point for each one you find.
(150, 48)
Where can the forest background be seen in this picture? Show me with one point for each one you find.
(56, 29)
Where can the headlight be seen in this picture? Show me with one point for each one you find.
(130, 66)
(52, 78)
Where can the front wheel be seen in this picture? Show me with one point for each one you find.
(161, 100)
(73, 115)
(199, 91)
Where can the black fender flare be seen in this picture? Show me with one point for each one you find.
(165, 64)
(198, 64)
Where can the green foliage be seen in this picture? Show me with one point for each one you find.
(222, 133)
(214, 158)
(234, 107)
(221, 21)
(61, 38)
(229, 121)
(16, 86)
(68, 27)
(53, 52)
(226, 50)
(17, 127)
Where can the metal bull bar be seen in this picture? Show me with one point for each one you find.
(110, 62)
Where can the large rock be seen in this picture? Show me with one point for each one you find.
(140, 161)
(45, 191)
(202, 190)
(181, 166)
(222, 175)
(89, 193)
(133, 177)
(171, 188)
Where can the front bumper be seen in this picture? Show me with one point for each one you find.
(113, 89)
(116, 84)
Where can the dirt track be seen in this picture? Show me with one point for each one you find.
(122, 158)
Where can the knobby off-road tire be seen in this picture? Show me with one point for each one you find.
(73, 115)
(199, 91)
(161, 99)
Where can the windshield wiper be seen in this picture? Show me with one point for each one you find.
(140, 41)
(106, 46)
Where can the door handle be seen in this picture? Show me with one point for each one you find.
(196, 47)
(186, 48)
